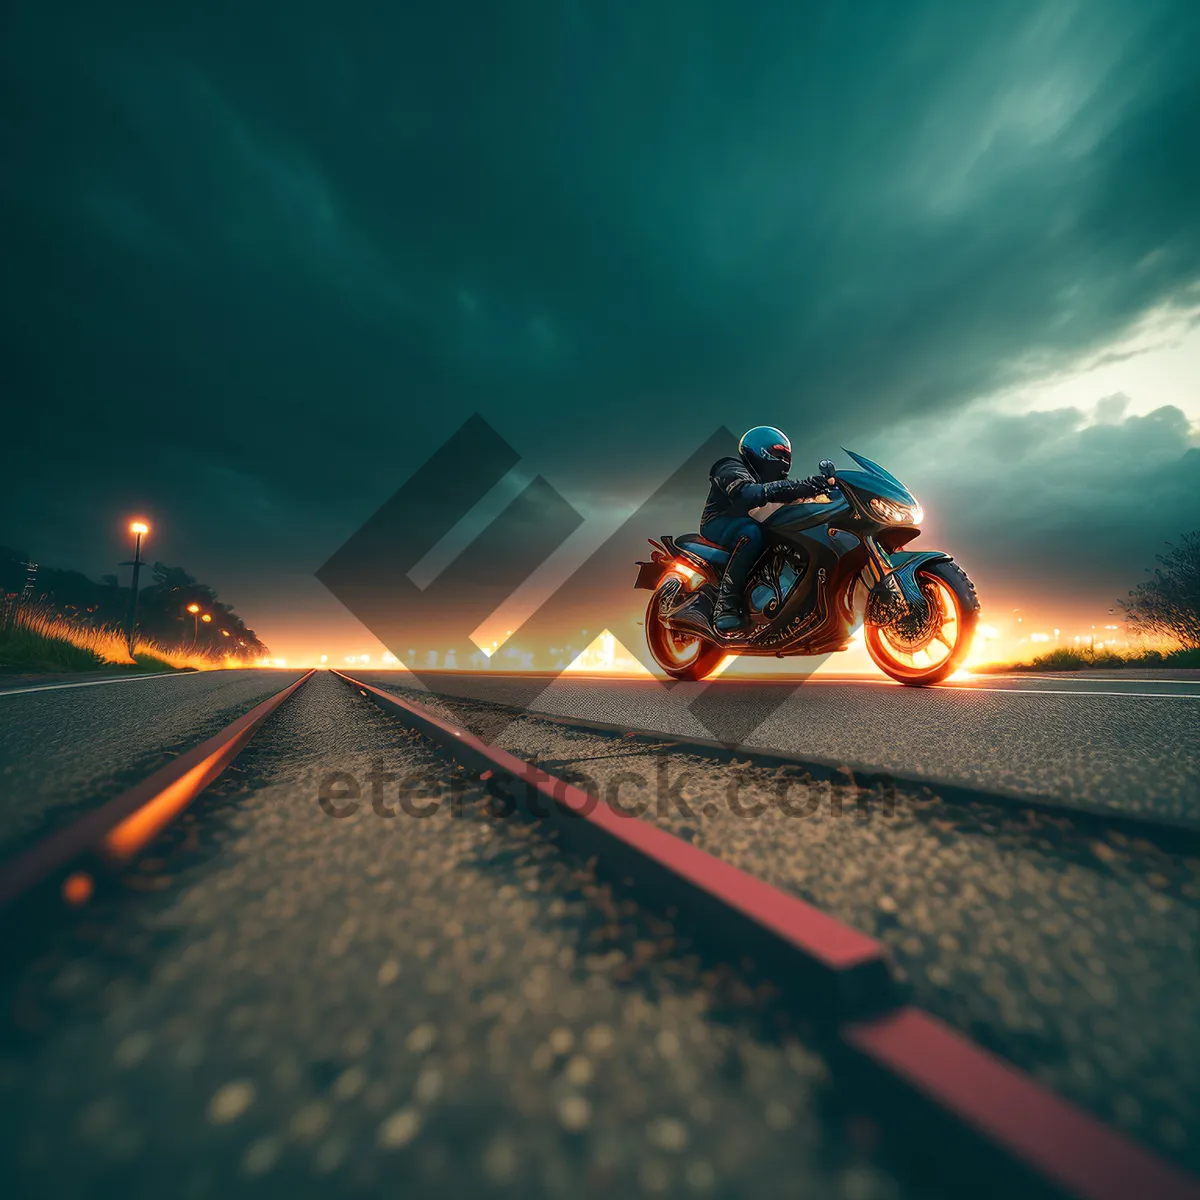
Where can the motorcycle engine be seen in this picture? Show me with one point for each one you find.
(783, 570)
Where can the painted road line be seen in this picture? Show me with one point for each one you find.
(58, 687)
(835, 967)
(1025, 1132)
(1003, 691)
(124, 825)
(1067, 679)
(975, 683)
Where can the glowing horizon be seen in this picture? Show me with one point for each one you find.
(1009, 637)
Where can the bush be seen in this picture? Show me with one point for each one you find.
(1073, 660)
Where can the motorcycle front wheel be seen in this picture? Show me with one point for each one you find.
(680, 655)
(928, 650)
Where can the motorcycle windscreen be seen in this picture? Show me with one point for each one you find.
(866, 484)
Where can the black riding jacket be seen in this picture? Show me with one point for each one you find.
(735, 490)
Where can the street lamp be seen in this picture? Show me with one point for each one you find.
(138, 529)
(194, 609)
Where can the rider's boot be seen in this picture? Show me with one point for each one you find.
(729, 616)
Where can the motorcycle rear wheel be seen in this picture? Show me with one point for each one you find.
(940, 648)
(680, 655)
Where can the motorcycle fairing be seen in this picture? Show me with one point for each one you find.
(794, 518)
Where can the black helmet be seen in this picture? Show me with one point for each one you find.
(767, 452)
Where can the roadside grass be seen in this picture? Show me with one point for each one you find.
(1073, 660)
(32, 641)
(32, 651)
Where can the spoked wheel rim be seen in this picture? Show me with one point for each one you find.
(680, 655)
(673, 649)
(931, 651)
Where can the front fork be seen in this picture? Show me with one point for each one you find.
(893, 590)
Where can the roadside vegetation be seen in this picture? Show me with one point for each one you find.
(58, 620)
(174, 609)
(1074, 660)
(34, 641)
(1164, 608)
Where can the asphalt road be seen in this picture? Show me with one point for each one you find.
(282, 1003)
(277, 1000)
(1101, 742)
(1077, 957)
(64, 746)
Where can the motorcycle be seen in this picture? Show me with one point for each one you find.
(832, 562)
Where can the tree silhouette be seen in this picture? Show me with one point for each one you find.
(163, 615)
(162, 605)
(1169, 603)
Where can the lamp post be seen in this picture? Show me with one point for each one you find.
(138, 529)
(194, 609)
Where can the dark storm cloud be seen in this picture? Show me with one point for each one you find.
(1084, 498)
(260, 260)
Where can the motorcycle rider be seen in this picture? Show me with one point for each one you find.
(757, 476)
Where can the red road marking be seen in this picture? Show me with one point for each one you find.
(124, 825)
(833, 945)
(1046, 1134)
(1076, 1151)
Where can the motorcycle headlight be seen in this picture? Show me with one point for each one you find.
(897, 514)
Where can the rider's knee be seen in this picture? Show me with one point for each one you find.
(752, 531)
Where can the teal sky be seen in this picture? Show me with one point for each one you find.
(261, 260)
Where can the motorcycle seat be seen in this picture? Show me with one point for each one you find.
(703, 548)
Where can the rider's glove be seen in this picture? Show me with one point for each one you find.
(782, 490)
